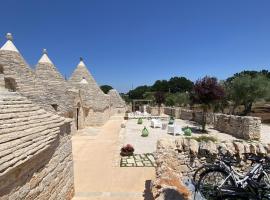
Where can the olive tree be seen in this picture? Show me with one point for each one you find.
(246, 89)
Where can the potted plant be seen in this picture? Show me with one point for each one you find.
(127, 150)
(187, 131)
(140, 121)
(145, 132)
(171, 121)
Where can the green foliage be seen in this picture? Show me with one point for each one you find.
(160, 86)
(187, 131)
(174, 85)
(149, 96)
(182, 99)
(170, 100)
(177, 99)
(253, 74)
(138, 92)
(106, 88)
(180, 84)
(245, 89)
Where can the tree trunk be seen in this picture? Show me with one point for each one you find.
(204, 119)
(248, 107)
(233, 109)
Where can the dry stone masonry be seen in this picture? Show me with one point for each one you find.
(118, 105)
(242, 127)
(39, 111)
(178, 159)
(35, 151)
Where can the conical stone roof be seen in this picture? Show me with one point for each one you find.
(25, 130)
(92, 95)
(116, 99)
(48, 76)
(15, 67)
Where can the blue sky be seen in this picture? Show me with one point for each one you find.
(135, 42)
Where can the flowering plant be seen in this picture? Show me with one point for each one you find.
(127, 150)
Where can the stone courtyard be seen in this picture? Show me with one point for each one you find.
(132, 134)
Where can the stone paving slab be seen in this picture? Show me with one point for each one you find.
(138, 160)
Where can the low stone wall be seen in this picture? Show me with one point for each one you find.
(242, 127)
(155, 110)
(178, 159)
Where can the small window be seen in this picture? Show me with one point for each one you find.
(1, 69)
(55, 106)
(10, 84)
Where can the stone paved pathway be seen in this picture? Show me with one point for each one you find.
(138, 160)
(96, 175)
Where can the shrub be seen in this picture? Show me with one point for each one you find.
(127, 150)
(187, 131)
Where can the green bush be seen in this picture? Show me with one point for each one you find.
(187, 131)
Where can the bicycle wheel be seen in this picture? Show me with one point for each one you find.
(210, 180)
(264, 181)
(200, 170)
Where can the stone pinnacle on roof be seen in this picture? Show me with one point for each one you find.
(44, 58)
(9, 46)
(81, 63)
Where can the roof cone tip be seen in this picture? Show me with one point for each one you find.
(9, 46)
(81, 59)
(44, 51)
(9, 36)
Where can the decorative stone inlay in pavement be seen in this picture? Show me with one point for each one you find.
(138, 160)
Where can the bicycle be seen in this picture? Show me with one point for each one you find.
(230, 184)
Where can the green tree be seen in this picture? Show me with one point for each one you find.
(180, 84)
(247, 89)
(106, 88)
(170, 100)
(182, 99)
(160, 86)
(138, 93)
